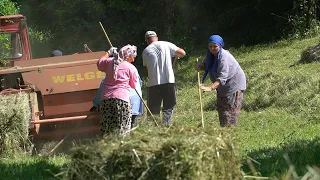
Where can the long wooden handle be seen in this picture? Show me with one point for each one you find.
(201, 109)
(105, 34)
(86, 47)
(154, 120)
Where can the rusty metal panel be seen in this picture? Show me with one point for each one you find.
(15, 16)
(68, 84)
(65, 79)
(62, 74)
(58, 134)
(10, 28)
(23, 66)
(10, 23)
(49, 61)
(68, 104)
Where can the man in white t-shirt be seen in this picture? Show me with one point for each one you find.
(157, 57)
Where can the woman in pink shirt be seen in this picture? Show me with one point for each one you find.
(115, 107)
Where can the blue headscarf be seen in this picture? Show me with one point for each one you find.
(210, 57)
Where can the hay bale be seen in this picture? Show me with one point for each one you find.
(14, 123)
(311, 54)
(181, 153)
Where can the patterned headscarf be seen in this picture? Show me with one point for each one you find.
(127, 51)
(211, 59)
(124, 53)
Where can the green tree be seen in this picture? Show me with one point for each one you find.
(66, 25)
(304, 21)
(8, 7)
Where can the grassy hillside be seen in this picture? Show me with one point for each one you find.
(281, 113)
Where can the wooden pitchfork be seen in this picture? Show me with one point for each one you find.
(202, 122)
(154, 120)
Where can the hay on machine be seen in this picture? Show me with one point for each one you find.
(15, 117)
(181, 153)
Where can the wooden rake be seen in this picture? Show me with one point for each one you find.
(200, 98)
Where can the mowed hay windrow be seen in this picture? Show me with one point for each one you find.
(14, 123)
(311, 54)
(180, 153)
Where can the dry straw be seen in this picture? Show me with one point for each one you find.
(179, 153)
(14, 123)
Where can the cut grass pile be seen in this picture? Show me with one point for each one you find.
(14, 124)
(311, 54)
(178, 153)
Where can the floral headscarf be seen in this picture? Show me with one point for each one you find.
(124, 53)
(127, 51)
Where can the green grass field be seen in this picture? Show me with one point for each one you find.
(280, 117)
(31, 168)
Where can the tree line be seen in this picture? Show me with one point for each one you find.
(68, 25)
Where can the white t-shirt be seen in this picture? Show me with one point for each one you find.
(157, 57)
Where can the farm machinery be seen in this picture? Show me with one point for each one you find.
(60, 88)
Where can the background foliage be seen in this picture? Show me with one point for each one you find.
(281, 110)
(67, 25)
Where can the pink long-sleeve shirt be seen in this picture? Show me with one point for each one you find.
(117, 88)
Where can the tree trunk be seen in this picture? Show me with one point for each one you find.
(311, 12)
(168, 16)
